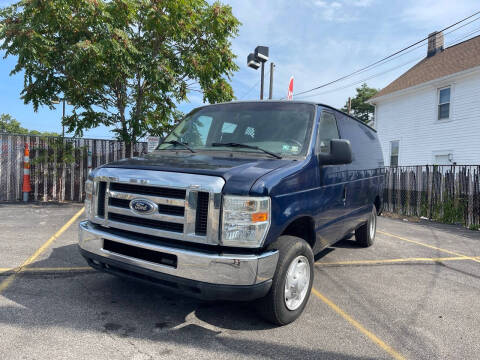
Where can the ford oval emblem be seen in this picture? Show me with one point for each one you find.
(143, 206)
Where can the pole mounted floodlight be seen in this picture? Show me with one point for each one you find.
(252, 61)
(257, 59)
(261, 52)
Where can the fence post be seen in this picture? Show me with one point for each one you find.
(80, 175)
(476, 195)
(469, 219)
(407, 192)
(45, 173)
(418, 188)
(443, 179)
(36, 142)
(19, 141)
(390, 189)
(429, 193)
(72, 171)
(9, 165)
(115, 146)
(55, 172)
(399, 191)
(64, 172)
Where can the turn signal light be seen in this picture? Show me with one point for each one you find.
(259, 217)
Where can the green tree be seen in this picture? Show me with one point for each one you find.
(360, 108)
(121, 63)
(8, 124)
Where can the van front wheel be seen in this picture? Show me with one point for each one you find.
(291, 283)
(365, 234)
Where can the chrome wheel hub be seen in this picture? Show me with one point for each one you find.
(373, 226)
(297, 282)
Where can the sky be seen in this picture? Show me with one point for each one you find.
(315, 41)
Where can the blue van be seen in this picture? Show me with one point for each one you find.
(236, 201)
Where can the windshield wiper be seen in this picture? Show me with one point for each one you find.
(176, 142)
(233, 144)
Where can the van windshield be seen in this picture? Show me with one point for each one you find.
(279, 128)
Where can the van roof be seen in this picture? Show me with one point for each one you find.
(295, 102)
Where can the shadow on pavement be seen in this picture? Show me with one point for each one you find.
(96, 302)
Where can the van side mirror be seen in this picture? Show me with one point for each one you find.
(340, 153)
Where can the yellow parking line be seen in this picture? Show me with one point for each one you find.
(381, 344)
(429, 246)
(390, 261)
(7, 282)
(59, 269)
(47, 269)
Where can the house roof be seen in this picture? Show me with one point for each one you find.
(456, 58)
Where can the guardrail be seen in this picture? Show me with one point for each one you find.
(58, 166)
(449, 194)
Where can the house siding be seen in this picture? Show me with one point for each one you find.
(411, 118)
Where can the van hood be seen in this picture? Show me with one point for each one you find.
(239, 173)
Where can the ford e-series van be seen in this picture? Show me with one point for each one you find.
(236, 201)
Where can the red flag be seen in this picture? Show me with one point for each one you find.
(290, 89)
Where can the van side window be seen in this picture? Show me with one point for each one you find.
(326, 131)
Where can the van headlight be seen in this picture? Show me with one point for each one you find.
(245, 220)
(88, 198)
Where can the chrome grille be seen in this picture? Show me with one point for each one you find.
(201, 219)
(148, 190)
(187, 205)
(102, 188)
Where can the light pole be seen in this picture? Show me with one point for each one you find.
(258, 59)
(56, 102)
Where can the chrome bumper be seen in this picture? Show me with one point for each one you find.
(225, 269)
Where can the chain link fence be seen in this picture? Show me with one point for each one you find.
(449, 194)
(58, 166)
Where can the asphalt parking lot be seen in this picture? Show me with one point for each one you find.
(415, 295)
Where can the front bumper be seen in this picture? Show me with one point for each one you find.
(205, 275)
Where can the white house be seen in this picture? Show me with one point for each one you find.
(431, 114)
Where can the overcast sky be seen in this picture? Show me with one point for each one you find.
(313, 40)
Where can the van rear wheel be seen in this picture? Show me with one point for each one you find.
(365, 234)
(291, 283)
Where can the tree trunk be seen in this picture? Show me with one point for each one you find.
(128, 149)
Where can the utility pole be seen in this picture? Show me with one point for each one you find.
(64, 101)
(270, 93)
(349, 107)
(262, 80)
(63, 119)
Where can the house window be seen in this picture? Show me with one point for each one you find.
(444, 103)
(394, 147)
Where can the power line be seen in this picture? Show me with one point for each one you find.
(453, 42)
(250, 90)
(421, 45)
(361, 81)
(254, 86)
(385, 58)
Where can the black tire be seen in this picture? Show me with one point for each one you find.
(273, 306)
(365, 234)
